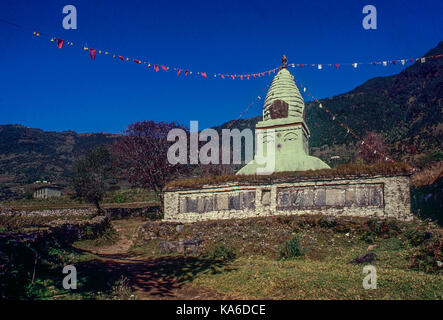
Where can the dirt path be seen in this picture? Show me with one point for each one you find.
(153, 278)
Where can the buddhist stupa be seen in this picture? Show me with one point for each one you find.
(284, 129)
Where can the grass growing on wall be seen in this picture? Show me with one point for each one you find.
(343, 171)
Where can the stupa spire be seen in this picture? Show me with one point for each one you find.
(284, 61)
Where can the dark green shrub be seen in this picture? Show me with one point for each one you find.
(425, 259)
(119, 198)
(291, 249)
(416, 236)
(369, 237)
(220, 252)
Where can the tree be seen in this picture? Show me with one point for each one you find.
(373, 149)
(92, 175)
(141, 154)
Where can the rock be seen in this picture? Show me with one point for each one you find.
(372, 247)
(439, 264)
(179, 227)
(365, 258)
(185, 246)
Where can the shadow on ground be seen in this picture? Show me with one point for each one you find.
(151, 278)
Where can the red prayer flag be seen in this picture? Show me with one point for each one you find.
(301, 65)
(59, 43)
(337, 65)
(92, 53)
(247, 76)
(438, 56)
(412, 59)
(233, 77)
(222, 76)
(156, 67)
(374, 63)
(122, 59)
(186, 73)
(178, 72)
(137, 61)
(164, 68)
(203, 75)
(394, 62)
(241, 77)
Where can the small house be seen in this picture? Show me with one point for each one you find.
(47, 191)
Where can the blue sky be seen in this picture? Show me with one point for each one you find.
(44, 87)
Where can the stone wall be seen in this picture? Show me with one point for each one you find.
(376, 196)
(152, 212)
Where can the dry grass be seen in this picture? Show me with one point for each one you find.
(427, 176)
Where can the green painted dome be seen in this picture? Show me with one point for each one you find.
(284, 88)
(283, 132)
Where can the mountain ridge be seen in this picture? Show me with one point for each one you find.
(405, 108)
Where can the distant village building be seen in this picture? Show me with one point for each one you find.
(45, 191)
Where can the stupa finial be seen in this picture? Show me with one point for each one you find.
(284, 61)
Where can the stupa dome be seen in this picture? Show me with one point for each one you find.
(283, 88)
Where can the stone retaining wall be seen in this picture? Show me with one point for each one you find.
(375, 196)
(48, 212)
(152, 212)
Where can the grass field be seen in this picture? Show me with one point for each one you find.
(120, 265)
(322, 272)
(259, 277)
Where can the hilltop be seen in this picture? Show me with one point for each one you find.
(405, 108)
(28, 154)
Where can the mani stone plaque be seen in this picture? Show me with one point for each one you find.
(217, 202)
(340, 196)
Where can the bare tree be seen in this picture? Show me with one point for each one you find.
(141, 154)
(91, 176)
(373, 149)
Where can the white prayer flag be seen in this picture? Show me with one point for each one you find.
(354, 65)
(320, 106)
(403, 62)
(385, 63)
(423, 60)
(320, 67)
(304, 89)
